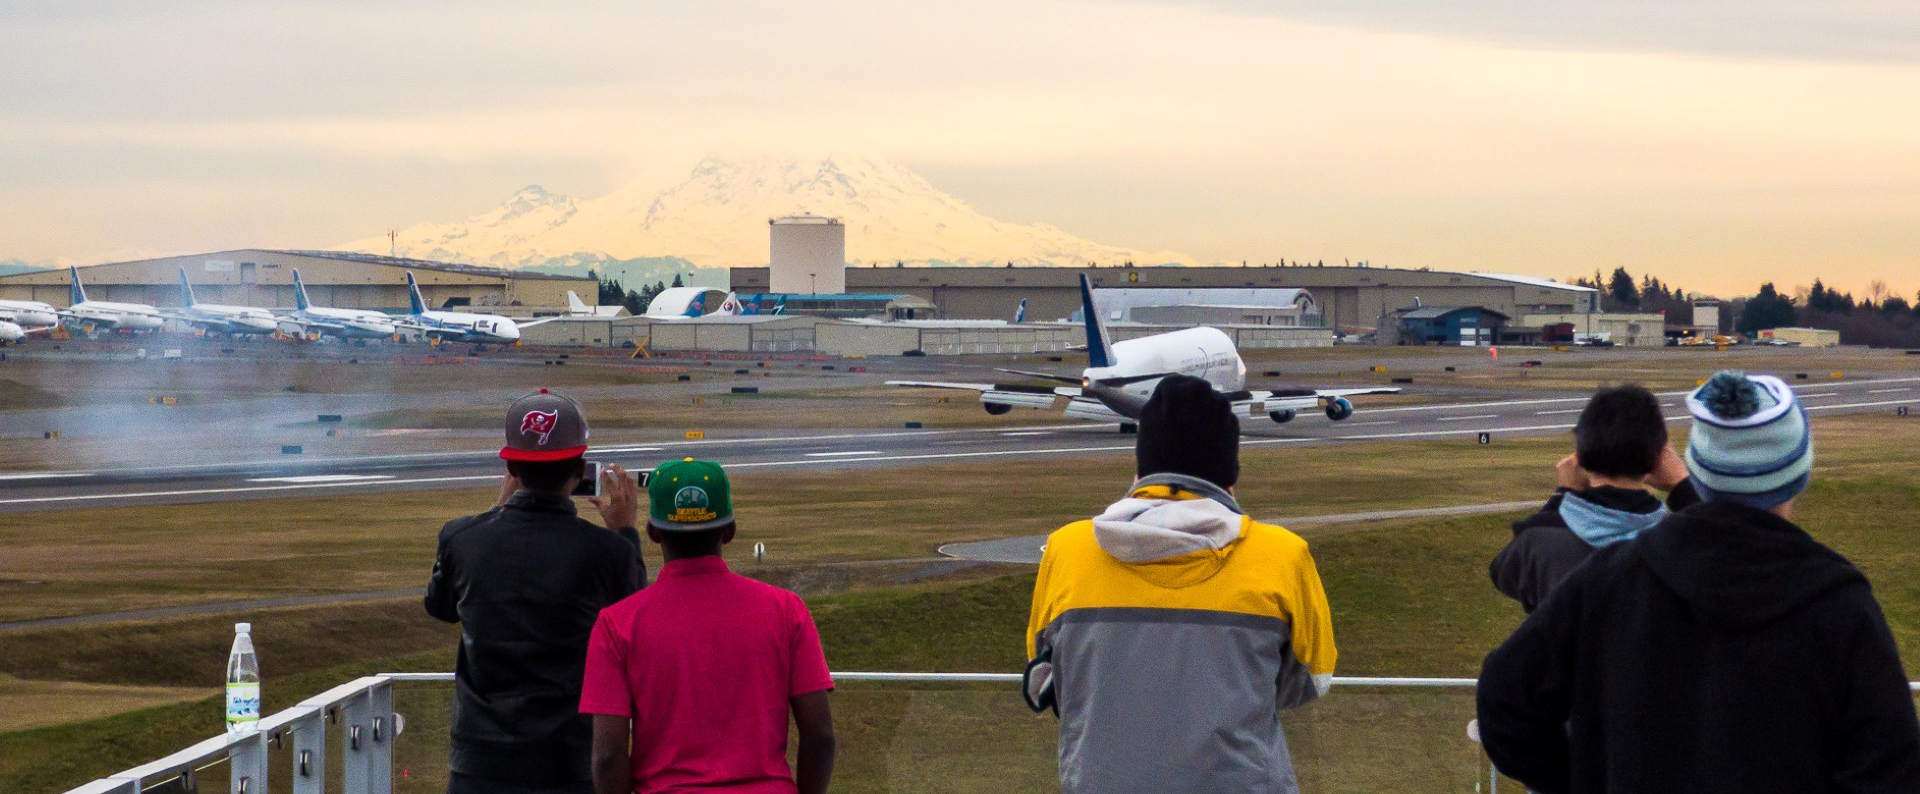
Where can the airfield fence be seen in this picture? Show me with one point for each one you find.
(926, 733)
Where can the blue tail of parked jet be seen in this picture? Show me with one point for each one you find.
(697, 306)
(78, 294)
(1020, 314)
(186, 290)
(299, 292)
(1099, 350)
(414, 301)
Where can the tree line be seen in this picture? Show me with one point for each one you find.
(612, 293)
(1879, 318)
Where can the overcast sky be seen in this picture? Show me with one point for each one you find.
(1716, 143)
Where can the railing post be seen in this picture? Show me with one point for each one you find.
(356, 741)
(247, 763)
(380, 753)
(309, 764)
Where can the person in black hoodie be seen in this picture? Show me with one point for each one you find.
(1723, 650)
(1620, 449)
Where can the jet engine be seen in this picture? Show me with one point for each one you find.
(1281, 416)
(1339, 408)
(997, 409)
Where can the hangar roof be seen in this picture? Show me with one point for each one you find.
(419, 264)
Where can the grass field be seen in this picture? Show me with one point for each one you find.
(1409, 596)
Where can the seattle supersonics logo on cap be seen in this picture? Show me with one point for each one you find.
(691, 505)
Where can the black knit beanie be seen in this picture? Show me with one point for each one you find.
(1188, 428)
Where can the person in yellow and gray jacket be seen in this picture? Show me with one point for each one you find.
(1169, 631)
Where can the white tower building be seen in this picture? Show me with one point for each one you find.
(809, 255)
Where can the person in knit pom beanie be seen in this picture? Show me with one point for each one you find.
(1166, 631)
(1722, 650)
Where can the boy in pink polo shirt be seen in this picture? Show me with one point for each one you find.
(690, 680)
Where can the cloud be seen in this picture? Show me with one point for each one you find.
(1838, 30)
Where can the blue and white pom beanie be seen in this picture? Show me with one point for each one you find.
(1750, 443)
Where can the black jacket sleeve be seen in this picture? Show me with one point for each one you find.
(1880, 745)
(636, 573)
(1682, 496)
(1525, 697)
(441, 601)
(1517, 571)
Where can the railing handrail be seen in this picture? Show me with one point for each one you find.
(314, 710)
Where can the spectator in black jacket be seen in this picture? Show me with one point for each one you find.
(1620, 450)
(1724, 650)
(526, 580)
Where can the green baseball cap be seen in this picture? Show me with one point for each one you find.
(689, 495)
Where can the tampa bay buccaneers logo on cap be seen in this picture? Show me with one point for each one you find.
(540, 422)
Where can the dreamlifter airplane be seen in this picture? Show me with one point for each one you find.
(1120, 377)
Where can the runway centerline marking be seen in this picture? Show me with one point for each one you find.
(848, 454)
(1884, 391)
(1822, 394)
(1027, 433)
(1466, 418)
(313, 478)
(46, 476)
(1565, 411)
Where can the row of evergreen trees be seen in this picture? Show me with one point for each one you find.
(613, 292)
(1880, 318)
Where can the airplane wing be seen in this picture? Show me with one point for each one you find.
(300, 326)
(434, 331)
(1001, 394)
(541, 321)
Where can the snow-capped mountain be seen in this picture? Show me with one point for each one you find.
(717, 217)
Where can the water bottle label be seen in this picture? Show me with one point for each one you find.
(243, 702)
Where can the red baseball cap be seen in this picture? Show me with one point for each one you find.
(545, 426)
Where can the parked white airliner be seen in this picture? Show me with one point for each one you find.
(461, 326)
(308, 319)
(30, 315)
(90, 315)
(221, 318)
(1121, 376)
(11, 332)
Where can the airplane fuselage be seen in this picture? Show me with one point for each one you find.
(360, 323)
(131, 316)
(1205, 353)
(11, 332)
(464, 327)
(237, 319)
(29, 314)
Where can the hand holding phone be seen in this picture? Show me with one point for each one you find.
(619, 497)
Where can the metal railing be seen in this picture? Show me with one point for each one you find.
(362, 713)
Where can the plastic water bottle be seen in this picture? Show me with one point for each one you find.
(243, 683)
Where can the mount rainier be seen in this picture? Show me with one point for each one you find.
(717, 217)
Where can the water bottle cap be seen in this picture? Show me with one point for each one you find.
(243, 628)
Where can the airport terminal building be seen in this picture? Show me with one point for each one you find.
(1347, 297)
(339, 279)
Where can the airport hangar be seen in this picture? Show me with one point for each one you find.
(338, 279)
(1348, 297)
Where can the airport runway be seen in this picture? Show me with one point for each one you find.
(61, 490)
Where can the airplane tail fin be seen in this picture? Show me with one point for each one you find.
(186, 290)
(697, 306)
(731, 305)
(1099, 349)
(1020, 314)
(300, 293)
(575, 305)
(414, 301)
(79, 293)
